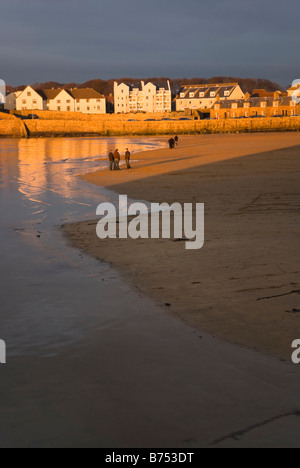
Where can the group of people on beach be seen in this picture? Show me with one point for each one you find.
(115, 158)
(173, 142)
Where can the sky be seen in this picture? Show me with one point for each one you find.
(80, 40)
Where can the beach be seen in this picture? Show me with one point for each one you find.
(94, 356)
(243, 286)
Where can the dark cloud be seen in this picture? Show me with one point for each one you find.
(72, 40)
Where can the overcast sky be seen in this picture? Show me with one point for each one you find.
(79, 40)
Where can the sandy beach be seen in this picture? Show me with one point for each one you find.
(243, 286)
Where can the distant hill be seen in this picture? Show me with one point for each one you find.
(105, 87)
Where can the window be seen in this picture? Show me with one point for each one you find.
(192, 95)
(28, 93)
(212, 94)
(59, 108)
(68, 109)
(234, 105)
(78, 100)
(263, 104)
(246, 114)
(88, 108)
(276, 104)
(24, 101)
(227, 93)
(202, 94)
(87, 100)
(68, 101)
(34, 101)
(182, 95)
(58, 102)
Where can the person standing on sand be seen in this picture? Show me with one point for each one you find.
(117, 158)
(111, 161)
(127, 158)
(176, 140)
(172, 143)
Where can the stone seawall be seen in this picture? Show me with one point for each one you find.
(60, 128)
(12, 128)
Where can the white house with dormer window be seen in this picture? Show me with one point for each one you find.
(204, 96)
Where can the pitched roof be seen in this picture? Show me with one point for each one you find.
(219, 89)
(85, 93)
(262, 93)
(49, 93)
(255, 102)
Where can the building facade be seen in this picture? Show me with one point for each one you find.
(88, 101)
(255, 107)
(84, 100)
(203, 96)
(58, 100)
(142, 98)
(11, 100)
(29, 99)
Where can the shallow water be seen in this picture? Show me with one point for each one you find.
(44, 282)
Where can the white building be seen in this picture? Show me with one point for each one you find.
(142, 98)
(85, 100)
(204, 96)
(29, 99)
(11, 100)
(88, 101)
(58, 100)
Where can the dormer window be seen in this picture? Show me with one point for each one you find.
(276, 103)
(263, 104)
(202, 94)
(227, 93)
(234, 105)
(182, 95)
(213, 94)
(192, 95)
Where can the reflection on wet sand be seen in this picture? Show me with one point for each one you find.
(51, 164)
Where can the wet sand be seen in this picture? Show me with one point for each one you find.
(243, 286)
